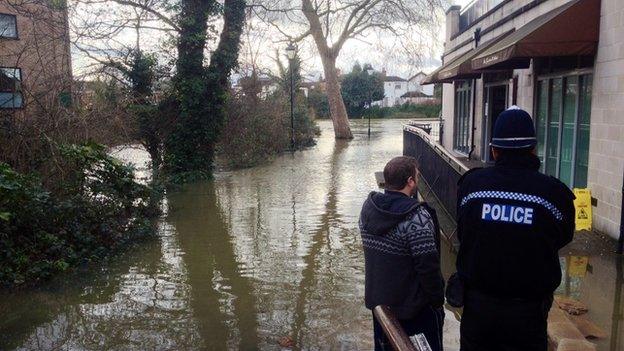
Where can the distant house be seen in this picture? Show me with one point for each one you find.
(394, 88)
(415, 84)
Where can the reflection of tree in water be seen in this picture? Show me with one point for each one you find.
(130, 307)
(222, 299)
(319, 239)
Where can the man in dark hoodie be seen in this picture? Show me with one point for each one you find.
(402, 256)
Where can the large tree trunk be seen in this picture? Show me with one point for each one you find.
(200, 91)
(337, 109)
(187, 154)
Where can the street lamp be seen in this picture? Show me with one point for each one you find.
(290, 53)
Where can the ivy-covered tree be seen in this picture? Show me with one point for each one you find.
(200, 91)
(360, 88)
(194, 104)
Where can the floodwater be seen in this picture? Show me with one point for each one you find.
(238, 263)
(252, 257)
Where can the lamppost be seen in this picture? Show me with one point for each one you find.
(290, 53)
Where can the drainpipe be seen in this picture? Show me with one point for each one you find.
(474, 108)
(621, 239)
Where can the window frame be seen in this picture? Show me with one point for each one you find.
(462, 98)
(17, 34)
(15, 90)
(582, 78)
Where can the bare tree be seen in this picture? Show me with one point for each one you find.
(332, 23)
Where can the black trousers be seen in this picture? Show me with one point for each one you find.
(428, 322)
(493, 324)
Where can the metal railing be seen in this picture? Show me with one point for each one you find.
(431, 127)
(437, 167)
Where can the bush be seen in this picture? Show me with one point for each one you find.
(258, 124)
(258, 128)
(98, 207)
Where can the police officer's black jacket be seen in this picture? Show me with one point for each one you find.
(512, 220)
(402, 254)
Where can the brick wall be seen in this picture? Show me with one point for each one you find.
(42, 51)
(606, 150)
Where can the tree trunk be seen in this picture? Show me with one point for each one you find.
(337, 109)
(187, 154)
(201, 92)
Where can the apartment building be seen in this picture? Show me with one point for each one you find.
(35, 61)
(562, 60)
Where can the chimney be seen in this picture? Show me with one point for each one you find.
(452, 21)
(383, 72)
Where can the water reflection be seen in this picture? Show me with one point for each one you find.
(592, 273)
(142, 304)
(222, 297)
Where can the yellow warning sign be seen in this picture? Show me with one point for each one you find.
(582, 205)
(577, 266)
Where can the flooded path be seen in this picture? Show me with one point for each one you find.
(256, 255)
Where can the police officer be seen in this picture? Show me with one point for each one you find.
(512, 221)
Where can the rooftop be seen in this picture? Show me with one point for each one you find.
(393, 79)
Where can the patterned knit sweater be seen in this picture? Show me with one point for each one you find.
(402, 254)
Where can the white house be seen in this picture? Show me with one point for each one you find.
(394, 88)
(415, 84)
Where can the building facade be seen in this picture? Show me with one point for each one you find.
(394, 88)
(561, 60)
(35, 60)
(415, 84)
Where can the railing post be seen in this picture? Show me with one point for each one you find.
(399, 340)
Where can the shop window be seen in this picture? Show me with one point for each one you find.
(562, 126)
(10, 88)
(461, 133)
(8, 26)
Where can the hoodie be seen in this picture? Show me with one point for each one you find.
(401, 244)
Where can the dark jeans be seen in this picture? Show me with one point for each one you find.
(428, 322)
(494, 324)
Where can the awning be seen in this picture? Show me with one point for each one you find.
(461, 67)
(569, 30)
(432, 77)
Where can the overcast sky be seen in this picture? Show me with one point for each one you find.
(383, 52)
